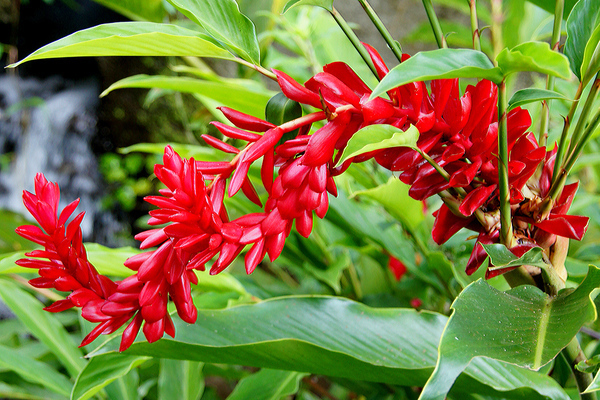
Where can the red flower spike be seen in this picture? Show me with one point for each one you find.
(295, 91)
(245, 121)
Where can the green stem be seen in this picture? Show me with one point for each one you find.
(258, 68)
(354, 40)
(558, 16)
(435, 24)
(506, 230)
(574, 355)
(585, 137)
(582, 121)
(518, 276)
(497, 19)
(475, 25)
(393, 45)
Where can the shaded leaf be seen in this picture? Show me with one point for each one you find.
(536, 57)
(138, 10)
(267, 384)
(591, 57)
(439, 64)
(523, 326)
(125, 387)
(131, 39)
(110, 261)
(223, 20)
(99, 373)
(501, 257)
(180, 379)
(549, 5)
(326, 4)
(376, 137)
(34, 371)
(582, 22)
(280, 110)
(42, 325)
(531, 95)
(335, 337)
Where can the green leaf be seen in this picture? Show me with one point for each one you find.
(531, 95)
(34, 371)
(180, 379)
(245, 98)
(332, 336)
(267, 384)
(326, 4)
(125, 387)
(223, 283)
(582, 22)
(536, 57)
(138, 10)
(131, 39)
(280, 110)
(223, 20)
(549, 5)
(110, 261)
(502, 257)
(393, 196)
(439, 64)
(42, 325)
(100, 372)
(523, 326)
(375, 137)
(591, 56)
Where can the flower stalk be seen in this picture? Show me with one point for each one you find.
(435, 24)
(475, 25)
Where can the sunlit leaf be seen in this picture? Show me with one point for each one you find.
(523, 326)
(326, 4)
(581, 24)
(376, 137)
(138, 10)
(131, 39)
(532, 95)
(267, 384)
(223, 20)
(535, 57)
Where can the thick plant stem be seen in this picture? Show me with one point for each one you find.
(435, 24)
(475, 25)
(354, 40)
(392, 44)
(558, 16)
(506, 230)
(574, 355)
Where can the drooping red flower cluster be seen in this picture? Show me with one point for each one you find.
(458, 132)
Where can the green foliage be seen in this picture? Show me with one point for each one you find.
(581, 36)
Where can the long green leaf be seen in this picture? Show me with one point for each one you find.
(180, 379)
(125, 387)
(245, 98)
(267, 384)
(532, 95)
(523, 326)
(138, 10)
(326, 4)
(549, 5)
(582, 21)
(223, 20)
(536, 57)
(99, 373)
(34, 371)
(591, 56)
(376, 137)
(439, 64)
(42, 325)
(131, 39)
(332, 336)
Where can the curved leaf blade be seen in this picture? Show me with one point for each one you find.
(532, 95)
(439, 64)
(131, 39)
(180, 379)
(267, 384)
(591, 56)
(376, 137)
(99, 373)
(137, 10)
(582, 21)
(326, 4)
(223, 20)
(336, 337)
(536, 57)
(484, 324)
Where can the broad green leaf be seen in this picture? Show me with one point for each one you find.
(523, 326)
(9, 240)
(42, 325)
(326, 4)
(267, 384)
(536, 57)
(376, 137)
(138, 10)
(549, 5)
(29, 392)
(34, 371)
(245, 98)
(7, 263)
(582, 21)
(393, 196)
(180, 379)
(131, 39)
(332, 336)
(224, 282)
(502, 257)
(125, 387)
(110, 261)
(223, 20)
(99, 373)
(532, 95)
(439, 64)
(591, 56)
